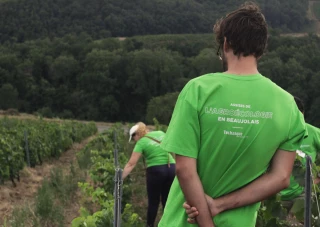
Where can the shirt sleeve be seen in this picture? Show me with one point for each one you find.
(297, 131)
(162, 135)
(317, 139)
(183, 134)
(138, 147)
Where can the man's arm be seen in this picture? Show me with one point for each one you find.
(186, 171)
(277, 179)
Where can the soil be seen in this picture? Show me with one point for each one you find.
(293, 222)
(31, 179)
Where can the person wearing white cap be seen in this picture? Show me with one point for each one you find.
(160, 166)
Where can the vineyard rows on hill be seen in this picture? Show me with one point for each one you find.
(30, 142)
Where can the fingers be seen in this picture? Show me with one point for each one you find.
(192, 221)
(186, 205)
(192, 213)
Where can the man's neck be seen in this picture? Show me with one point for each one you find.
(242, 65)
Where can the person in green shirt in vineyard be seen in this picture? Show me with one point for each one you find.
(228, 129)
(160, 165)
(309, 146)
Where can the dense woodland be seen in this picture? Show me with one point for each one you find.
(58, 57)
(113, 80)
(22, 20)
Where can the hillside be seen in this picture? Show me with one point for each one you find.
(22, 20)
(112, 80)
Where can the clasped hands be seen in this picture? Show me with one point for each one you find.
(193, 212)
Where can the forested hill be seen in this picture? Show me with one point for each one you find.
(138, 78)
(22, 20)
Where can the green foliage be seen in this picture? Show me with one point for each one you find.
(298, 206)
(22, 217)
(52, 196)
(25, 20)
(161, 108)
(66, 114)
(272, 214)
(40, 138)
(64, 186)
(11, 154)
(45, 207)
(105, 218)
(316, 9)
(206, 61)
(159, 126)
(45, 112)
(8, 96)
(113, 80)
(102, 171)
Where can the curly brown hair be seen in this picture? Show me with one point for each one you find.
(245, 30)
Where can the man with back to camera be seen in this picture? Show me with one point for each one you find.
(295, 191)
(227, 128)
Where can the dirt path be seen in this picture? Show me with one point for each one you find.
(31, 179)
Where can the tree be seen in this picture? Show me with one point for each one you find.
(314, 113)
(8, 97)
(161, 108)
(28, 20)
(150, 74)
(64, 70)
(206, 62)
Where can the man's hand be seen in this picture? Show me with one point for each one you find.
(193, 212)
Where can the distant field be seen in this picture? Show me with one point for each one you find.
(316, 9)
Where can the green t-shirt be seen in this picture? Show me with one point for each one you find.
(152, 151)
(232, 125)
(310, 146)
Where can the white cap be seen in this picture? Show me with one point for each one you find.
(132, 131)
